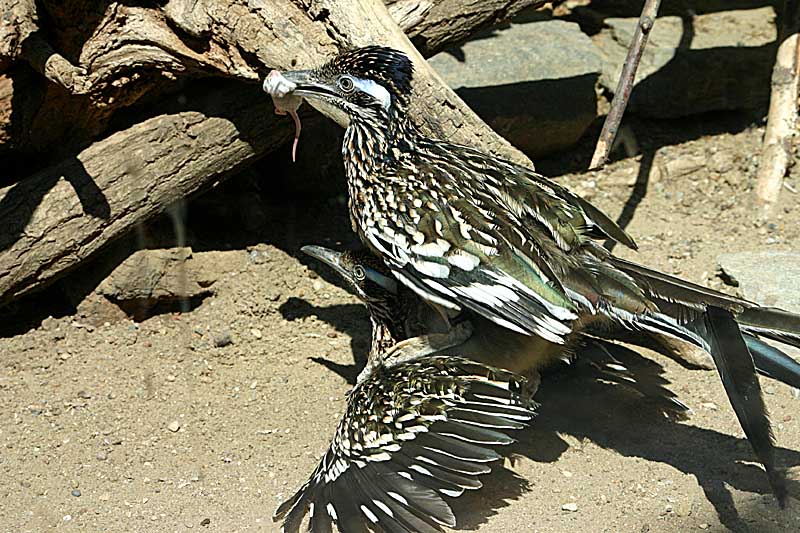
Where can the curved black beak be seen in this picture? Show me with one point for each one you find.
(330, 257)
(297, 83)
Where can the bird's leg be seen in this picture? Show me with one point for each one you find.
(534, 379)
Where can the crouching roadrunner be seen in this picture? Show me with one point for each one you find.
(465, 229)
(419, 426)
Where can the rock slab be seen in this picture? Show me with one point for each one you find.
(534, 82)
(767, 278)
(716, 61)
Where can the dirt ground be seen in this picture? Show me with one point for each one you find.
(155, 426)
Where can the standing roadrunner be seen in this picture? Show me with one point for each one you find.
(465, 229)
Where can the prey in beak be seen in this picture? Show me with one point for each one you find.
(281, 90)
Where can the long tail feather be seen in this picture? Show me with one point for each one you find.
(735, 366)
(683, 297)
(775, 324)
(772, 362)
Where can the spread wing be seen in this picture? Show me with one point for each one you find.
(411, 435)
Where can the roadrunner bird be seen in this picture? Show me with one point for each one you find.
(420, 426)
(465, 229)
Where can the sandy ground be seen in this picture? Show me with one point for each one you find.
(152, 427)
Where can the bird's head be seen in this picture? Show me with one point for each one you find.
(366, 275)
(362, 83)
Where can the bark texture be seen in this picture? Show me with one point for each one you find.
(89, 150)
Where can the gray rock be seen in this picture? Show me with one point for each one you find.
(767, 278)
(149, 278)
(532, 82)
(715, 61)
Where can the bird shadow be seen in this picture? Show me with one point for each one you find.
(500, 489)
(350, 319)
(614, 418)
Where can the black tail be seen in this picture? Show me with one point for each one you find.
(752, 319)
(735, 365)
(772, 362)
(728, 328)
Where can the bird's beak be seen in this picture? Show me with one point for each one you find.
(303, 84)
(297, 84)
(330, 257)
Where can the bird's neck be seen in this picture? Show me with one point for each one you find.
(374, 142)
(384, 338)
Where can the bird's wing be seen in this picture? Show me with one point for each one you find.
(412, 434)
(488, 235)
(535, 202)
(443, 250)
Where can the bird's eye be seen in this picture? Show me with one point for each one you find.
(359, 273)
(346, 84)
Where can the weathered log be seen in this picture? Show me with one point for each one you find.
(58, 217)
(53, 220)
(445, 22)
(125, 52)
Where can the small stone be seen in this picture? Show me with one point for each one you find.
(711, 406)
(170, 378)
(331, 334)
(703, 526)
(255, 333)
(174, 426)
(205, 522)
(101, 456)
(317, 285)
(84, 395)
(571, 507)
(721, 162)
(566, 473)
(104, 497)
(223, 339)
(76, 493)
(258, 254)
(684, 166)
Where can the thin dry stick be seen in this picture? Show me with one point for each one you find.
(776, 151)
(623, 92)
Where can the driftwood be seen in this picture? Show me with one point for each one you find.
(58, 217)
(53, 220)
(782, 123)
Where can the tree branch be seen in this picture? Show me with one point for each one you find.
(782, 123)
(623, 92)
(56, 218)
